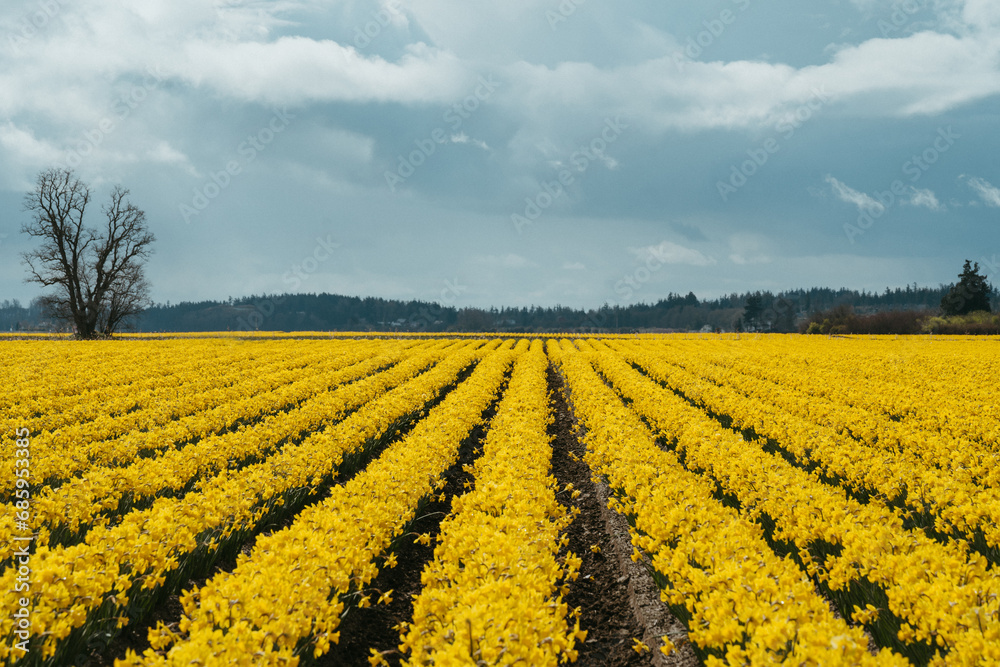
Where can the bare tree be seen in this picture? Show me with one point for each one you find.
(98, 276)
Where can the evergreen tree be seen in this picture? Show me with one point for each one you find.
(971, 294)
(752, 312)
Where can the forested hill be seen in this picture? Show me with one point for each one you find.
(329, 312)
(323, 312)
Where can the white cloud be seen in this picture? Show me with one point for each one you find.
(164, 152)
(25, 146)
(392, 10)
(22, 153)
(925, 73)
(232, 51)
(672, 253)
(463, 138)
(925, 198)
(574, 266)
(296, 70)
(848, 194)
(67, 69)
(986, 190)
(982, 14)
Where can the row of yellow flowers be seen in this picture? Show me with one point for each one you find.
(945, 596)
(745, 604)
(35, 359)
(326, 398)
(182, 413)
(952, 500)
(138, 554)
(879, 390)
(258, 391)
(54, 384)
(292, 586)
(948, 422)
(492, 592)
(51, 386)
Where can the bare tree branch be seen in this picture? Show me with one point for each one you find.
(98, 278)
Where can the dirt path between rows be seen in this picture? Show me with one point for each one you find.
(619, 600)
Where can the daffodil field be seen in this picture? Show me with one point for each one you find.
(793, 499)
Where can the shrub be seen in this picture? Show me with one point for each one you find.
(980, 322)
(843, 320)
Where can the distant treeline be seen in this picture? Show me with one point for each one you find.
(782, 312)
(15, 317)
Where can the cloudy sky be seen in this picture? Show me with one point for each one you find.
(515, 152)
